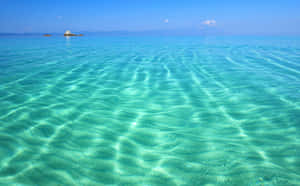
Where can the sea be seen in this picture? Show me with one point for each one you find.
(150, 110)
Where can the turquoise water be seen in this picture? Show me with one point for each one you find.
(149, 111)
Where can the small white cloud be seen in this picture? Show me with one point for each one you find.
(166, 20)
(209, 22)
(59, 17)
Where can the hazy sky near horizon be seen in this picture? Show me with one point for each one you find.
(230, 16)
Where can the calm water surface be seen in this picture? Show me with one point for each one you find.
(150, 111)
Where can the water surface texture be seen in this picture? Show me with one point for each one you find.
(149, 111)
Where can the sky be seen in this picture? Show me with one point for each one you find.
(235, 17)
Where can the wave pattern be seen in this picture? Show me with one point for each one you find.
(140, 111)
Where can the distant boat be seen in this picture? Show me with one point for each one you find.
(47, 35)
(69, 33)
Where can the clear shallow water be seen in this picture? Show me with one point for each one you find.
(149, 111)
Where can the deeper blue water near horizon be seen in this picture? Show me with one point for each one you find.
(149, 110)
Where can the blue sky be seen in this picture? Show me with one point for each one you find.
(224, 16)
